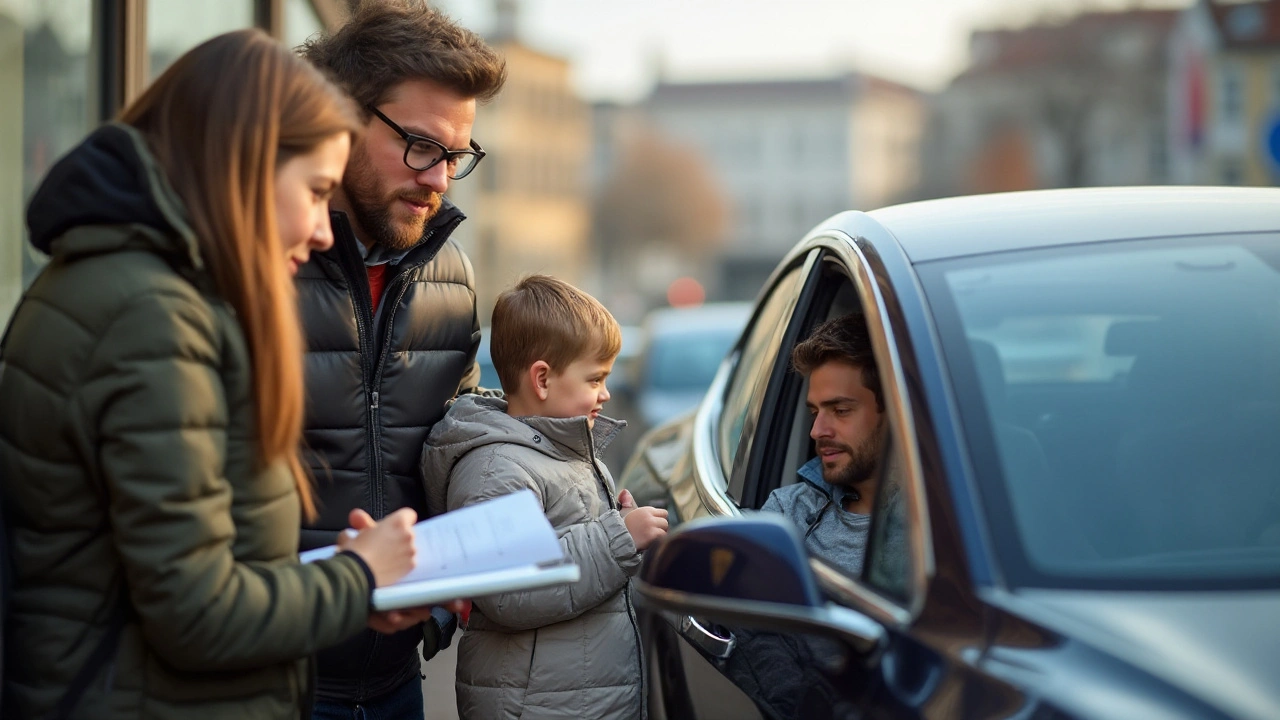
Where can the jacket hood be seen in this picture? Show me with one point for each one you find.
(474, 421)
(109, 179)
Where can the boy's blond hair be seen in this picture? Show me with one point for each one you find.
(543, 318)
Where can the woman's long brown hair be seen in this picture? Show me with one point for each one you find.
(220, 121)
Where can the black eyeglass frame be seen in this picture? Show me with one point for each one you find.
(445, 153)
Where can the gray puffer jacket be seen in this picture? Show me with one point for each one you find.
(571, 651)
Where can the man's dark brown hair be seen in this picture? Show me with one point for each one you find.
(844, 339)
(387, 42)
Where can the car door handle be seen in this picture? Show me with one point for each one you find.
(712, 644)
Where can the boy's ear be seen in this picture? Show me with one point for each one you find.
(539, 373)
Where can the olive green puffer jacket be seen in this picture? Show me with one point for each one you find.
(127, 456)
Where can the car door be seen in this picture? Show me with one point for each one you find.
(682, 650)
(763, 426)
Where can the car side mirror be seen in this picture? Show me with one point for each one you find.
(750, 571)
(758, 560)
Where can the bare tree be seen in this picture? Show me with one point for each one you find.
(661, 194)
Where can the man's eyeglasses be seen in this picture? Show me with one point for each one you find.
(423, 153)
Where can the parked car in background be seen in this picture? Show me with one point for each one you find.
(1082, 390)
(681, 349)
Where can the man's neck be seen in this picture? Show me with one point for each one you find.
(866, 494)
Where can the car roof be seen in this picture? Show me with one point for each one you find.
(954, 227)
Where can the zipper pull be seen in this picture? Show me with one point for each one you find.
(374, 406)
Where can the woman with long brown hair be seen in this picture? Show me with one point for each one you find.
(152, 394)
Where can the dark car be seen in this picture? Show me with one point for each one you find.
(682, 347)
(1079, 504)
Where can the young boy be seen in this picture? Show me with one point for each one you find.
(570, 651)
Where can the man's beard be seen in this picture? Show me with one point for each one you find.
(862, 461)
(373, 208)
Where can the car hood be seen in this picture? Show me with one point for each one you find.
(1218, 646)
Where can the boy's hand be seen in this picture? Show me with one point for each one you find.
(626, 503)
(645, 524)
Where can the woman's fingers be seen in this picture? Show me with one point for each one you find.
(360, 520)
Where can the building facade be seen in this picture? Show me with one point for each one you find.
(1056, 104)
(528, 200)
(790, 153)
(1224, 93)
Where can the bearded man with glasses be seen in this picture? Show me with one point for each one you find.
(390, 311)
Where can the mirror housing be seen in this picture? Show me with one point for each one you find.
(751, 571)
(760, 559)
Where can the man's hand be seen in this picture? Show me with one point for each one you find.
(393, 621)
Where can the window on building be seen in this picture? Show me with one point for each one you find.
(1275, 85)
(1232, 172)
(175, 27)
(1231, 93)
(50, 78)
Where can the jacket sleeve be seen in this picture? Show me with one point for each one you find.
(156, 398)
(602, 549)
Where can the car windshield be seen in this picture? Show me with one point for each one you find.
(1120, 402)
(687, 360)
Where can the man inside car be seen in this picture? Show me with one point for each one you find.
(831, 502)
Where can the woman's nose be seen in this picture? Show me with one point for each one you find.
(322, 238)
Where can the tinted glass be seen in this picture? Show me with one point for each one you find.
(759, 354)
(887, 567)
(1124, 431)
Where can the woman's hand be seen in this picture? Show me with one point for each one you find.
(386, 547)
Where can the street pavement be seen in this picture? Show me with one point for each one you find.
(437, 687)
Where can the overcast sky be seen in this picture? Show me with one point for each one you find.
(617, 45)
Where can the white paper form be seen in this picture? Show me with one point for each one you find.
(497, 534)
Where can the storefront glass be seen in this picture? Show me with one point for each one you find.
(300, 22)
(174, 27)
(47, 63)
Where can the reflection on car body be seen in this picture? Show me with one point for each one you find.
(1081, 387)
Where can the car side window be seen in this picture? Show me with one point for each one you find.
(867, 542)
(759, 353)
(887, 566)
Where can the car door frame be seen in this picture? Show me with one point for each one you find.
(831, 244)
(714, 488)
